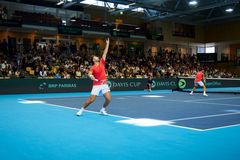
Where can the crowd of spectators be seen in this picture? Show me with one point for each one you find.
(164, 64)
(66, 61)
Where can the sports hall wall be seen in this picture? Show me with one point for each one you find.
(225, 33)
(166, 27)
(98, 14)
(203, 34)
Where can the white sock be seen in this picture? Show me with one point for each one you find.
(204, 92)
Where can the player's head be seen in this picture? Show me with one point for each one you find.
(201, 69)
(95, 59)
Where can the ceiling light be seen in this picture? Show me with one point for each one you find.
(193, 2)
(229, 10)
(131, 4)
(137, 28)
(60, 2)
(112, 10)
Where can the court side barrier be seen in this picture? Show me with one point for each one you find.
(14, 86)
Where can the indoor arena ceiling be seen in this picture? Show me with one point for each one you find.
(185, 11)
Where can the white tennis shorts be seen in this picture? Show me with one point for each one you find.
(200, 83)
(100, 88)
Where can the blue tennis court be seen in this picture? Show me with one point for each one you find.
(141, 125)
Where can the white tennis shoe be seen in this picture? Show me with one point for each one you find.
(103, 112)
(80, 112)
(204, 94)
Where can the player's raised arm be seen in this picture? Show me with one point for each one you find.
(106, 49)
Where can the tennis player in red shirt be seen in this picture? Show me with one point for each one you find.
(98, 75)
(199, 82)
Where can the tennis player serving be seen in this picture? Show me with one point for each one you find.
(98, 75)
(199, 78)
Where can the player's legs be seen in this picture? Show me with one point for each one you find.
(199, 84)
(108, 98)
(106, 93)
(204, 90)
(149, 87)
(194, 88)
(94, 93)
(204, 87)
(90, 100)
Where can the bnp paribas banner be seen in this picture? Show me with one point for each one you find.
(43, 85)
(8, 86)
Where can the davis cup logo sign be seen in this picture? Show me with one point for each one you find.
(153, 84)
(163, 83)
(123, 84)
(43, 86)
(182, 83)
(109, 83)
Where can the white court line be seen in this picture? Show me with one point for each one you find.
(210, 99)
(160, 98)
(170, 100)
(201, 117)
(64, 98)
(72, 108)
(220, 104)
(183, 127)
(222, 127)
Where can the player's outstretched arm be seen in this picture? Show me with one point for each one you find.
(106, 49)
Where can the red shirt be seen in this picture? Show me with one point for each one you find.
(199, 76)
(98, 72)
